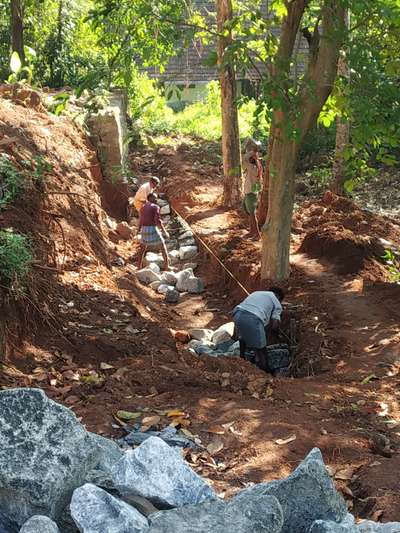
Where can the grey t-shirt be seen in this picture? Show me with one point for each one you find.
(264, 304)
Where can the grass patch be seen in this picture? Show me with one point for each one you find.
(15, 259)
(11, 181)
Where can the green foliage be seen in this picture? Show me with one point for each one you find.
(15, 259)
(11, 181)
(392, 260)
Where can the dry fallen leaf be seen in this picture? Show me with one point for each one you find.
(175, 412)
(345, 474)
(234, 431)
(215, 446)
(149, 422)
(128, 415)
(377, 515)
(291, 438)
(120, 373)
(218, 430)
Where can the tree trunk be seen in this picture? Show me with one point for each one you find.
(342, 129)
(300, 117)
(230, 123)
(262, 209)
(277, 229)
(17, 29)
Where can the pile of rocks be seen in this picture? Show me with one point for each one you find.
(181, 249)
(56, 476)
(215, 343)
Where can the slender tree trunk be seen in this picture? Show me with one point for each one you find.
(230, 123)
(262, 209)
(277, 229)
(342, 129)
(17, 29)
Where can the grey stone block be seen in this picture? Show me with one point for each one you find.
(45, 453)
(169, 278)
(200, 334)
(263, 514)
(224, 333)
(326, 526)
(307, 495)
(39, 524)
(172, 296)
(147, 276)
(95, 511)
(188, 252)
(157, 472)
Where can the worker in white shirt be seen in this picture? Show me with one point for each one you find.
(143, 192)
(258, 312)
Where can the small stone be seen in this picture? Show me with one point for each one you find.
(224, 333)
(169, 278)
(39, 524)
(95, 511)
(165, 210)
(174, 256)
(147, 276)
(186, 235)
(187, 242)
(163, 289)
(172, 296)
(154, 285)
(307, 495)
(187, 252)
(261, 515)
(110, 223)
(194, 285)
(200, 334)
(124, 231)
(182, 277)
(154, 267)
(45, 453)
(151, 257)
(157, 472)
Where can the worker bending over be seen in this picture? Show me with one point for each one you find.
(253, 317)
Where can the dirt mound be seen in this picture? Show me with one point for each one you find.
(354, 240)
(57, 205)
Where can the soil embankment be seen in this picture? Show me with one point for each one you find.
(99, 342)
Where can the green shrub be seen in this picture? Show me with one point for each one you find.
(15, 259)
(11, 181)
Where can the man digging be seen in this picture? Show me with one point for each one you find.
(252, 184)
(253, 318)
(151, 229)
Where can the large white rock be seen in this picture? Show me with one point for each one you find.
(45, 453)
(95, 511)
(147, 276)
(155, 268)
(165, 209)
(152, 257)
(194, 285)
(182, 277)
(39, 524)
(157, 472)
(154, 285)
(186, 235)
(223, 333)
(163, 289)
(187, 252)
(174, 256)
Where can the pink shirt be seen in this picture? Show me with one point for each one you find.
(149, 215)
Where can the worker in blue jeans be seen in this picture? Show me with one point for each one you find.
(258, 312)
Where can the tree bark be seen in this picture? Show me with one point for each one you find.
(342, 129)
(230, 124)
(17, 29)
(302, 115)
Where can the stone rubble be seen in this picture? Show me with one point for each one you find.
(47, 459)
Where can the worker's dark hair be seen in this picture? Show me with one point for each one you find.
(155, 180)
(279, 293)
(152, 197)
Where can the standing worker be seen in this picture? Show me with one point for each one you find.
(253, 317)
(252, 184)
(143, 192)
(150, 228)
